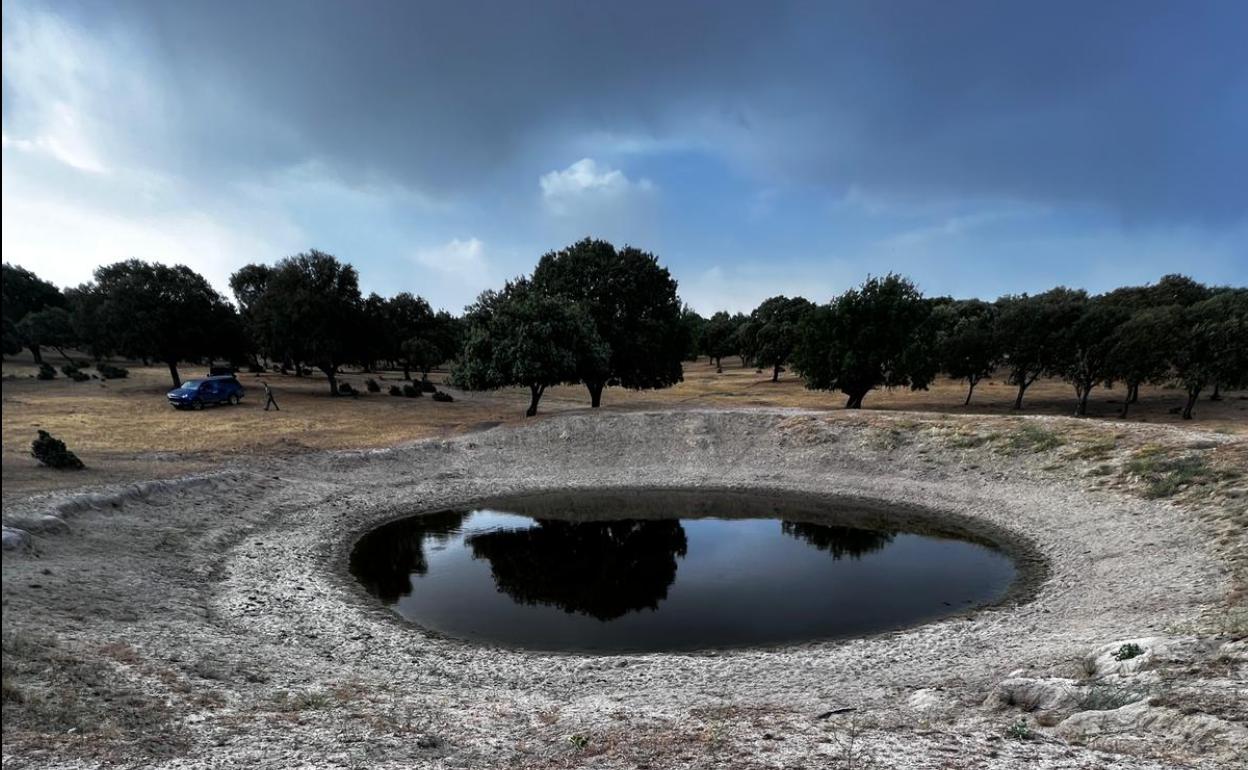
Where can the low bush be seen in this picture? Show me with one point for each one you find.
(53, 453)
(345, 389)
(1019, 731)
(74, 373)
(46, 372)
(428, 387)
(372, 385)
(1128, 651)
(443, 397)
(110, 372)
(411, 391)
(395, 390)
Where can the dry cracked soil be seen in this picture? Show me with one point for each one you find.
(210, 621)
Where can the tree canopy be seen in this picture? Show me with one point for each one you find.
(25, 293)
(150, 310)
(770, 335)
(869, 337)
(632, 304)
(966, 341)
(521, 336)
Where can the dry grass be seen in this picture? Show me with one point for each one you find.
(124, 430)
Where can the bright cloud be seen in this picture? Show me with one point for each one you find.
(588, 182)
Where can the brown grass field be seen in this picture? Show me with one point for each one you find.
(125, 431)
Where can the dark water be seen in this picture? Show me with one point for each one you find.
(650, 571)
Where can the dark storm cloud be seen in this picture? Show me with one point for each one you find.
(1136, 107)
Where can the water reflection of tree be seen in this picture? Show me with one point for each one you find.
(386, 558)
(601, 569)
(838, 541)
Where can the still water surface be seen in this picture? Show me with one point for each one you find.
(652, 571)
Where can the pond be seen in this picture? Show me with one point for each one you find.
(653, 570)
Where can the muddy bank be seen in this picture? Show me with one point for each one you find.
(218, 612)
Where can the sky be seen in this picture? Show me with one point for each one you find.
(981, 148)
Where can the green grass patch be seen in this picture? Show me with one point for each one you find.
(1032, 438)
(1164, 476)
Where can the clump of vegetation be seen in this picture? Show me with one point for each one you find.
(1167, 476)
(53, 453)
(1097, 450)
(111, 372)
(372, 385)
(445, 398)
(346, 389)
(1101, 697)
(411, 391)
(395, 390)
(967, 440)
(428, 387)
(1019, 731)
(1033, 438)
(311, 700)
(46, 372)
(1128, 651)
(72, 371)
(578, 741)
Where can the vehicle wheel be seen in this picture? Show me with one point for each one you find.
(198, 405)
(233, 399)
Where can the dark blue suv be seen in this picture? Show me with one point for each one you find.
(195, 394)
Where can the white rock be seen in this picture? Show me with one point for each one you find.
(927, 699)
(40, 522)
(1048, 700)
(16, 539)
(1197, 731)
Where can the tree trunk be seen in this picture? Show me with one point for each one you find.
(1215, 396)
(331, 372)
(775, 373)
(1126, 402)
(1082, 409)
(595, 393)
(719, 365)
(536, 391)
(973, 382)
(855, 399)
(1018, 400)
(1133, 393)
(67, 358)
(173, 372)
(1192, 395)
(743, 361)
(36, 353)
(407, 371)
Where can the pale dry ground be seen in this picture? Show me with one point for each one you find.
(210, 621)
(124, 431)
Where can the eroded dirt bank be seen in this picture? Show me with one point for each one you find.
(210, 621)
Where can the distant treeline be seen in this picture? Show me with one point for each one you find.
(599, 316)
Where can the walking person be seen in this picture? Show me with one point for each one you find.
(268, 398)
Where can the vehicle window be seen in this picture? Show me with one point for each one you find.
(192, 384)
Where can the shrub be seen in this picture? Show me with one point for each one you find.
(395, 390)
(46, 372)
(1128, 651)
(443, 397)
(52, 452)
(411, 391)
(372, 385)
(1019, 731)
(74, 373)
(428, 387)
(110, 372)
(345, 389)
